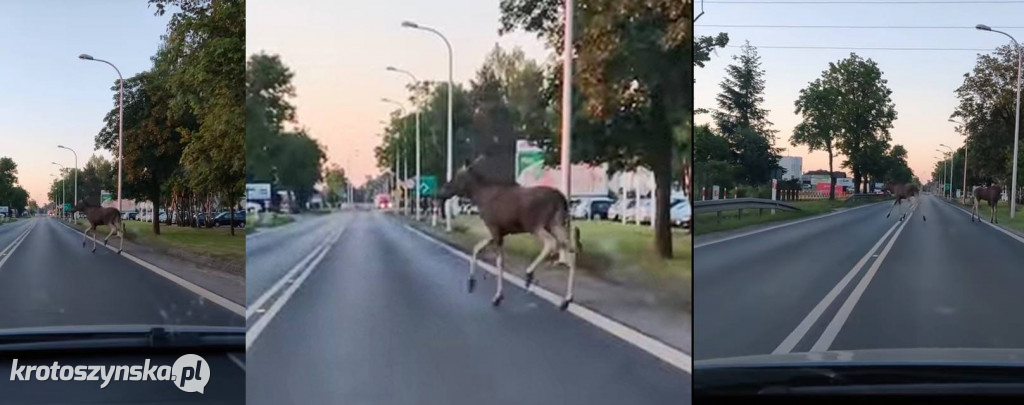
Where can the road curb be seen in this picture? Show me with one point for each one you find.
(224, 302)
(659, 349)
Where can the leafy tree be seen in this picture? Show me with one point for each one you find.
(337, 184)
(267, 109)
(301, 160)
(817, 104)
(986, 105)
(634, 69)
(864, 111)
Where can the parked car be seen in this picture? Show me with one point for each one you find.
(224, 219)
(128, 215)
(681, 213)
(590, 207)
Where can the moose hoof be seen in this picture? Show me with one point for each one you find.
(497, 300)
(470, 284)
(529, 279)
(94, 250)
(565, 303)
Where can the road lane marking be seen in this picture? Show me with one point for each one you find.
(257, 305)
(798, 334)
(830, 333)
(756, 231)
(9, 250)
(646, 343)
(232, 306)
(994, 226)
(257, 328)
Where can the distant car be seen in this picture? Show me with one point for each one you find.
(591, 207)
(224, 219)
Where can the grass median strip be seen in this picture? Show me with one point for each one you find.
(216, 243)
(1002, 213)
(710, 222)
(623, 253)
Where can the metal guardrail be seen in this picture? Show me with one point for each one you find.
(700, 207)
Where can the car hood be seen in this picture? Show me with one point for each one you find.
(913, 356)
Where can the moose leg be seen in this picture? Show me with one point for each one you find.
(994, 219)
(471, 283)
(501, 274)
(86, 234)
(571, 255)
(112, 230)
(892, 206)
(549, 243)
(120, 233)
(974, 209)
(94, 230)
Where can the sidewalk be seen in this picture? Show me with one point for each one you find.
(657, 315)
(221, 278)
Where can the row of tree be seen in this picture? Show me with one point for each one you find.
(182, 119)
(846, 112)
(288, 159)
(632, 99)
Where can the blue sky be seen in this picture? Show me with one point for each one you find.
(339, 49)
(49, 96)
(923, 82)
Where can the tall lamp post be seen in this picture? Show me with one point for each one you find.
(966, 138)
(943, 159)
(1016, 126)
(76, 171)
(567, 137)
(120, 122)
(448, 177)
(63, 195)
(55, 197)
(415, 82)
(950, 170)
(398, 149)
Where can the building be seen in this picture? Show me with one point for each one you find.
(793, 166)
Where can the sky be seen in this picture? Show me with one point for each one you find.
(50, 97)
(338, 51)
(922, 82)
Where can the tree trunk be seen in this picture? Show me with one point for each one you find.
(831, 175)
(155, 198)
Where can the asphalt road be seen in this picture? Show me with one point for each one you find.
(384, 318)
(858, 280)
(51, 280)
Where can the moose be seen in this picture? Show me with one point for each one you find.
(990, 194)
(98, 216)
(902, 192)
(508, 208)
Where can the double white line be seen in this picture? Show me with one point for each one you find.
(839, 319)
(9, 250)
(292, 280)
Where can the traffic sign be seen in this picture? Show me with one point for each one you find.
(67, 207)
(428, 186)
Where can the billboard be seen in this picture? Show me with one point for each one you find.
(257, 191)
(530, 171)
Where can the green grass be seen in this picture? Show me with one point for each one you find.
(215, 243)
(276, 219)
(610, 250)
(710, 222)
(1002, 213)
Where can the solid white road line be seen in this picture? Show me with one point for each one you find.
(830, 333)
(232, 306)
(9, 250)
(994, 226)
(798, 334)
(290, 275)
(254, 332)
(653, 346)
(757, 231)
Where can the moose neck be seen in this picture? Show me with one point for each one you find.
(480, 189)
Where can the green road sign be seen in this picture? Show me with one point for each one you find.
(428, 186)
(947, 186)
(67, 207)
(105, 197)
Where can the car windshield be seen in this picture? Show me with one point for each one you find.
(800, 257)
(84, 251)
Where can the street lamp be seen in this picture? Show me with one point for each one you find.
(966, 137)
(1016, 127)
(943, 172)
(63, 201)
(409, 24)
(950, 170)
(398, 151)
(120, 122)
(76, 170)
(415, 81)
